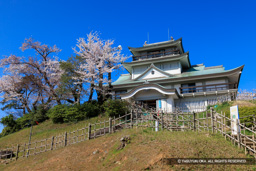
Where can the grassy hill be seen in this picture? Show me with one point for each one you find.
(144, 152)
(44, 130)
(48, 129)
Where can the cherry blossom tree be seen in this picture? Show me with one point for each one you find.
(100, 60)
(28, 81)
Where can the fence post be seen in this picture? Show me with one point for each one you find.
(89, 131)
(114, 124)
(125, 120)
(253, 122)
(162, 120)
(94, 130)
(194, 121)
(183, 121)
(225, 126)
(24, 150)
(28, 150)
(198, 122)
(110, 125)
(238, 134)
(136, 119)
(253, 138)
(65, 138)
(212, 119)
(131, 118)
(17, 153)
(222, 126)
(104, 127)
(52, 143)
(207, 121)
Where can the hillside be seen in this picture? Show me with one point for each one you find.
(145, 151)
(44, 130)
(48, 129)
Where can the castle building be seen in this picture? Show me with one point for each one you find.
(161, 76)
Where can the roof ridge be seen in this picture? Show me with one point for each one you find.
(197, 65)
(213, 67)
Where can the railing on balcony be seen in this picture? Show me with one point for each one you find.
(156, 54)
(210, 87)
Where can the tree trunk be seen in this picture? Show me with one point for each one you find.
(100, 89)
(91, 92)
(24, 111)
(109, 96)
(78, 101)
(28, 109)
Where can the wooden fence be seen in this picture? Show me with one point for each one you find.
(90, 131)
(218, 123)
(209, 120)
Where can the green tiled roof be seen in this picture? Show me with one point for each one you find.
(197, 70)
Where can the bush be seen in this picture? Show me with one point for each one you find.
(57, 113)
(91, 109)
(246, 111)
(40, 114)
(8, 121)
(24, 121)
(10, 125)
(65, 113)
(115, 107)
(73, 114)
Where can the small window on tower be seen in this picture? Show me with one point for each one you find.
(152, 72)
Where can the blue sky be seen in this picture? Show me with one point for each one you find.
(214, 32)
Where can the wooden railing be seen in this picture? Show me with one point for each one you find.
(219, 123)
(208, 120)
(205, 88)
(156, 54)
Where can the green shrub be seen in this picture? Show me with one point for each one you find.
(24, 121)
(10, 125)
(8, 121)
(115, 107)
(247, 111)
(73, 114)
(65, 113)
(40, 114)
(57, 113)
(91, 109)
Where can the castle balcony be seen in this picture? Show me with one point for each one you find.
(209, 89)
(150, 55)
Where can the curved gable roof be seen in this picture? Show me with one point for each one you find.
(152, 66)
(147, 86)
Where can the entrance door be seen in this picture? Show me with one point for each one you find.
(148, 104)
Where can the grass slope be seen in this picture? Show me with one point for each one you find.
(44, 130)
(144, 152)
(48, 129)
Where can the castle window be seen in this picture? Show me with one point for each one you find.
(152, 72)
